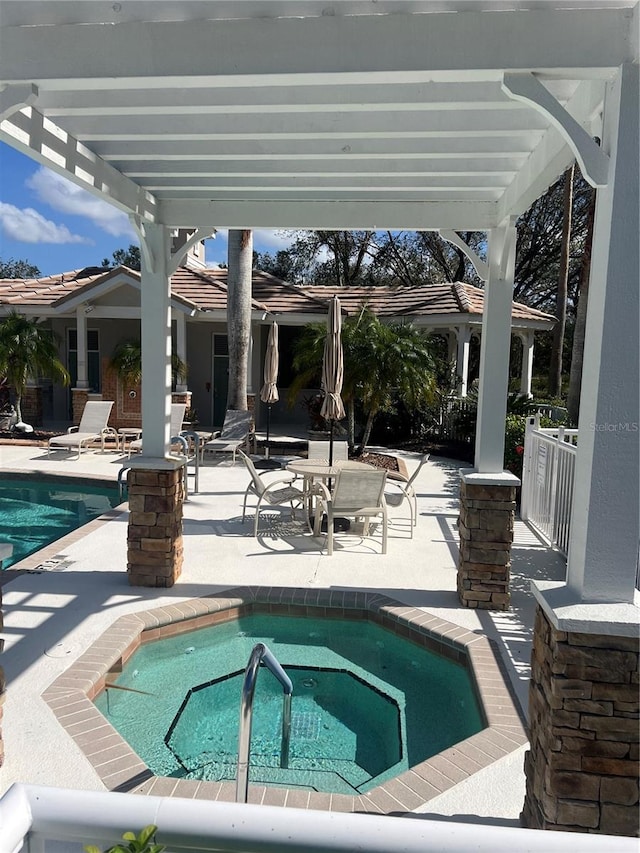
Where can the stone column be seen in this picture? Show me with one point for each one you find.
(487, 509)
(154, 536)
(582, 768)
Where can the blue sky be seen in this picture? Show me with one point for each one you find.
(52, 223)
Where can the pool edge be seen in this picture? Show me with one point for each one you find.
(121, 769)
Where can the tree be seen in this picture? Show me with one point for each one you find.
(18, 269)
(240, 256)
(555, 367)
(384, 363)
(27, 351)
(577, 353)
(125, 258)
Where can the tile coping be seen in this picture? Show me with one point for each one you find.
(121, 769)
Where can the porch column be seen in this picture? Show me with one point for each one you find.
(582, 768)
(527, 363)
(81, 333)
(487, 495)
(154, 539)
(462, 359)
(181, 346)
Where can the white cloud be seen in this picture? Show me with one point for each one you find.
(28, 226)
(278, 239)
(67, 197)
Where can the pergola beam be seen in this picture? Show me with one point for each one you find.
(30, 132)
(536, 40)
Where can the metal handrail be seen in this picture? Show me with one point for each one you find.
(260, 654)
(121, 485)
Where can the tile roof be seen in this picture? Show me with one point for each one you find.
(206, 290)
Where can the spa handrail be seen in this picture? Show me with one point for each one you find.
(260, 654)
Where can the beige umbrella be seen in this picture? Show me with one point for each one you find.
(269, 391)
(333, 371)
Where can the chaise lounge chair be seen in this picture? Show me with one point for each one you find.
(235, 432)
(92, 427)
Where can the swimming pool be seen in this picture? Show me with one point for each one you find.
(367, 704)
(35, 511)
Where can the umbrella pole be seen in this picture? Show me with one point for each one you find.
(266, 446)
(331, 443)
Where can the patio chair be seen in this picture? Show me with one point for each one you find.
(356, 494)
(92, 427)
(320, 450)
(405, 491)
(236, 430)
(275, 493)
(177, 417)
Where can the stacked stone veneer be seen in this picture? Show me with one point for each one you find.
(154, 537)
(582, 768)
(486, 533)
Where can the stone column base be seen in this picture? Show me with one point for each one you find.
(582, 767)
(487, 509)
(154, 537)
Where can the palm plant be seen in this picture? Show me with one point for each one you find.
(383, 363)
(127, 363)
(27, 351)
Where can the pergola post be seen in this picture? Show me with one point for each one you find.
(582, 767)
(487, 495)
(154, 538)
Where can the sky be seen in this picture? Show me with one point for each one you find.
(57, 226)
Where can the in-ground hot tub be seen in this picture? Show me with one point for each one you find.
(373, 687)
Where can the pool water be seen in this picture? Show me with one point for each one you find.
(36, 512)
(366, 705)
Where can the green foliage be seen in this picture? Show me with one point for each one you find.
(18, 269)
(384, 364)
(28, 350)
(126, 360)
(144, 842)
(125, 257)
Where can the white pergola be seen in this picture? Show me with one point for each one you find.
(447, 115)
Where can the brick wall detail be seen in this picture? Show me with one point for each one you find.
(486, 533)
(154, 536)
(582, 766)
(31, 405)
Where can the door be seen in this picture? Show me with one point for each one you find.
(220, 374)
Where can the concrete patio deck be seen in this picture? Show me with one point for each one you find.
(52, 616)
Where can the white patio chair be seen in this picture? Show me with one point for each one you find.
(236, 430)
(320, 450)
(405, 490)
(92, 427)
(268, 493)
(356, 494)
(177, 417)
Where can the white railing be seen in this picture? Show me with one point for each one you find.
(548, 471)
(32, 815)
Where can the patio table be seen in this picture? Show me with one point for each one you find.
(319, 469)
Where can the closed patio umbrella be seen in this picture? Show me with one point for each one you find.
(269, 391)
(333, 371)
